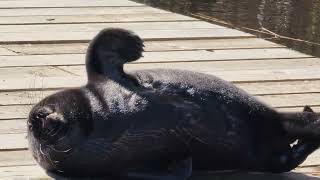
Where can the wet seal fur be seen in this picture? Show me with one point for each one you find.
(161, 123)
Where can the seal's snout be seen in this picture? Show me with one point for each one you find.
(44, 121)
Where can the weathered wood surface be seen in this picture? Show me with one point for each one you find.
(81, 19)
(42, 46)
(62, 3)
(157, 57)
(163, 45)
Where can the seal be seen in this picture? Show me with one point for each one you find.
(161, 123)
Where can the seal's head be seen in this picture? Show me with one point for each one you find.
(58, 123)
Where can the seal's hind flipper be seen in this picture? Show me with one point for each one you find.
(179, 171)
(110, 50)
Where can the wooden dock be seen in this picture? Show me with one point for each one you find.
(42, 46)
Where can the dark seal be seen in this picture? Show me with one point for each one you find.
(161, 124)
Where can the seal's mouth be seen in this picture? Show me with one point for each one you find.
(50, 128)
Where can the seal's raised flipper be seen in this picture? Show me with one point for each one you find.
(305, 125)
(179, 171)
(294, 156)
(109, 50)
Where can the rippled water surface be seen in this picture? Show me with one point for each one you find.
(297, 20)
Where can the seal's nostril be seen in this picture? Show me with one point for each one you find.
(41, 115)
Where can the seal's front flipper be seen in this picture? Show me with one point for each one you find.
(178, 171)
(290, 159)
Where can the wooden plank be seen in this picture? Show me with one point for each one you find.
(14, 112)
(4, 4)
(214, 66)
(22, 172)
(297, 109)
(23, 97)
(313, 171)
(59, 37)
(19, 110)
(279, 100)
(232, 54)
(78, 11)
(291, 100)
(168, 56)
(13, 126)
(269, 75)
(172, 45)
(238, 76)
(41, 83)
(5, 52)
(13, 141)
(33, 72)
(73, 19)
(96, 27)
(258, 88)
(291, 87)
(16, 158)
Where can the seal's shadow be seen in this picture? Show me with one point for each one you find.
(227, 176)
(253, 176)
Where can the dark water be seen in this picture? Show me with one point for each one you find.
(297, 19)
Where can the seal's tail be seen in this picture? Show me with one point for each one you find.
(110, 49)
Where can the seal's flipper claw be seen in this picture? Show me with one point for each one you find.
(178, 171)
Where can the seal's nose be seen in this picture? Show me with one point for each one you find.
(39, 119)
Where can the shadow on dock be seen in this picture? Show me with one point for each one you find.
(229, 176)
(253, 176)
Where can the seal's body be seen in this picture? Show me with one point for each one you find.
(161, 124)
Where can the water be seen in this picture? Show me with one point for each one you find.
(297, 20)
